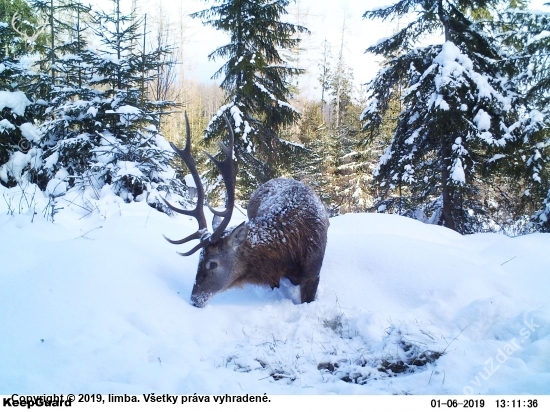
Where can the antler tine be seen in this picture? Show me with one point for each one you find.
(197, 247)
(185, 155)
(227, 171)
(196, 235)
(198, 211)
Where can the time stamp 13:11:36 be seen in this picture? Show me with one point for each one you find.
(480, 403)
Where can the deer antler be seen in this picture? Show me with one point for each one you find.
(198, 211)
(28, 39)
(228, 174)
(227, 171)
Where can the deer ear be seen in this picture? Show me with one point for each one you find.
(238, 236)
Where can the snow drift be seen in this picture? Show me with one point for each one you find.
(98, 302)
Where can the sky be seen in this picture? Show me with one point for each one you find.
(324, 18)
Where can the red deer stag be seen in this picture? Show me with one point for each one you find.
(285, 236)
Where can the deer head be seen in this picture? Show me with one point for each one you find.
(218, 253)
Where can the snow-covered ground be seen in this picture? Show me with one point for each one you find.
(98, 302)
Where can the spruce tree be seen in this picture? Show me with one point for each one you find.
(121, 122)
(457, 117)
(348, 158)
(525, 32)
(46, 93)
(18, 106)
(67, 135)
(257, 82)
(55, 13)
(102, 129)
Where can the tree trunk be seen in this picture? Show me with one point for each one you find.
(444, 19)
(447, 193)
(52, 42)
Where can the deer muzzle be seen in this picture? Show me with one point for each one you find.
(200, 299)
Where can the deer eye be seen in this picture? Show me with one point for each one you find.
(212, 265)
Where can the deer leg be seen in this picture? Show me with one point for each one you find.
(310, 278)
(308, 289)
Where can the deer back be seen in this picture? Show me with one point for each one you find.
(287, 229)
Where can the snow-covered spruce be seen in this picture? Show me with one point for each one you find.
(529, 160)
(459, 112)
(101, 129)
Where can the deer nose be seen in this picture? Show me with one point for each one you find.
(200, 299)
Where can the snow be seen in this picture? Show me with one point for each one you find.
(237, 115)
(16, 101)
(482, 120)
(496, 157)
(17, 163)
(127, 109)
(29, 132)
(51, 160)
(98, 302)
(371, 107)
(542, 35)
(92, 111)
(386, 156)
(56, 188)
(441, 103)
(128, 114)
(6, 125)
(457, 172)
(189, 181)
(302, 146)
(455, 66)
(126, 168)
(452, 60)
(458, 148)
(380, 40)
(272, 97)
(536, 116)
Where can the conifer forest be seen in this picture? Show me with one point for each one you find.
(453, 130)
